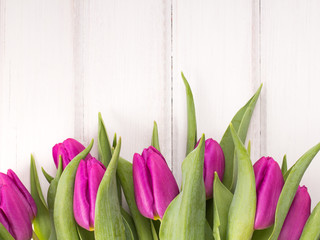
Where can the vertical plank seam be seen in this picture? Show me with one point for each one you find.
(259, 66)
(171, 58)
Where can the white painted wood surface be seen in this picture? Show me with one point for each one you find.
(61, 62)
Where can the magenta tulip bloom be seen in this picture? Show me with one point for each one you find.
(213, 162)
(297, 216)
(68, 149)
(154, 183)
(89, 175)
(269, 183)
(17, 207)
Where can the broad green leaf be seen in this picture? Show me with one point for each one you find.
(142, 224)
(155, 137)
(284, 166)
(243, 206)
(222, 201)
(130, 223)
(240, 123)
(4, 234)
(192, 123)
(65, 224)
(47, 175)
(85, 234)
(51, 195)
(290, 188)
(103, 143)
(127, 230)
(311, 230)
(249, 148)
(42, 223)
(185, 216)
(262, 234)
(108, 220)
(34, 236)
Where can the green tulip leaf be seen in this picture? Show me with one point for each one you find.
(129, 221)
(192, 123)
(243, 206)
(284, 166)
(209, 212)
(4, 234)
(84, 234)
(108, 220)
(249, 148)
(222, 200)
(155, 137)
(51, 195)
(208, 231)
(127, 230)
(154, 232)
(114, 142)
(65, 224)
(142, 224)
(42, 223)
(47, 175)
(240, 123)
(311, 230)
(290, 188)
(103, 143)
(185, 216)
(262, 234)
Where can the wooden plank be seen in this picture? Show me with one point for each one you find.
(290, 59)
(213, 46)
(123, 65)
(36, 88)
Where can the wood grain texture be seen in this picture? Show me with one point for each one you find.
(212, 43)
(290, 59)
(123, 65)
(37, 87)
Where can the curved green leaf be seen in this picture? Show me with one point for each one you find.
(47, 175)
(155, 136)
(192, 123)
(222, 201)
(154, 232)
(209, 212)
(65, 224)
(108, 220)
(84, 234)
(208, 231)
(284, 166)
(114, 142)
(103, 143)
(129, 220)
(42, 223)
(240, 123)
(290, 188)
(185, 216)
(4, 234)
(243, 206)
(142, 224)
(249, 148)
(311, 230)
(51, 195)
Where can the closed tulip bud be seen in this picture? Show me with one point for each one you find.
(88, 177)
(154, 183)
(17, 207)
(68, 149)
(269, 183)
(297, 216)
(213, 162)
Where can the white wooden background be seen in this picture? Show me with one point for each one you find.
(62, 61)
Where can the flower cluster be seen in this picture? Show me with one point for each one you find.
(223, 196)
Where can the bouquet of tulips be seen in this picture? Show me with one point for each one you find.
(222, 195)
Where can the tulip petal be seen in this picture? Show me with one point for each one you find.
(290, 187)
(297, 216)
(4, 233)
(164, 186)
(142, 224)
(17, 217)
(24, 192)
(142, 186)
(269, 183)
